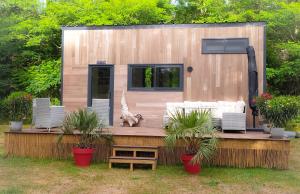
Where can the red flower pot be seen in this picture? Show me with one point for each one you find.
(188, 166)
(83, 156)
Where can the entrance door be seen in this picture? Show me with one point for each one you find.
(100, 91)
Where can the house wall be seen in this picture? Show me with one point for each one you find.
(214, 77)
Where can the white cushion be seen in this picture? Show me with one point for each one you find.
(217, 108)
(173, 107)
(239, 106)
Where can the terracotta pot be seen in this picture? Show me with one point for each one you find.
(188, 166)
(83, 156)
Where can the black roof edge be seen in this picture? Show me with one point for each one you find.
(147, 26)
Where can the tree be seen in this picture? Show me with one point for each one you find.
(30, 33)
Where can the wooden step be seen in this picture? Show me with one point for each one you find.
(133, 160)
(135, 150)
(127, 146)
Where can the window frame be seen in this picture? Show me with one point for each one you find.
(155, 88)
(225, 42)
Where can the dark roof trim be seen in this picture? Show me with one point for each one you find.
(105, 27)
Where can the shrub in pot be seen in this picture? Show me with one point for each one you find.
(278, 111)
(195, 130)
(88, 126)
(17, 107)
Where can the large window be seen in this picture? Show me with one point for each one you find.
(155, 77)
(225, 46)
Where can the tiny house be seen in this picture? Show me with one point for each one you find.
(156, 64)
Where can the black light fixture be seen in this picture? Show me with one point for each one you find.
(189, 69)
(101, 62)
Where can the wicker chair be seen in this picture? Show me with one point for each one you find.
(234, 121)
(101, 108)
(46, 116)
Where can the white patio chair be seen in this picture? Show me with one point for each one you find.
(102, 109)
(46, 116)
(234, 121)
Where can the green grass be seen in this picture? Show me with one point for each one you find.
(27, 175)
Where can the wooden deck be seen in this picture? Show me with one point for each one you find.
(253, 149)
(159, 132)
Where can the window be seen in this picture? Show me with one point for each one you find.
(225, 46)
(155, 77)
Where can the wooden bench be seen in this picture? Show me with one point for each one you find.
(133, 155)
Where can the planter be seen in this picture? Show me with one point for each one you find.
(15, 125)
(266, 128)
(290, 134)
(277, 133)
(83, 156)
(188, 166)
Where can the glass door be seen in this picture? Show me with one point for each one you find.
(100, 91)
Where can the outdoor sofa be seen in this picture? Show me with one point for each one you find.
(226, 115)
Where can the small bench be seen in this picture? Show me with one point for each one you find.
(134, 155)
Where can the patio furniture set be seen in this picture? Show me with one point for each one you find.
(226, 115)
(46, 116)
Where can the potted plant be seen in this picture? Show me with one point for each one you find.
(88, 126)
(261, 103)
(197, 135)
(278, 111)
(17, 107)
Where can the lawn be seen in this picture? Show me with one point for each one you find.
(25, 175)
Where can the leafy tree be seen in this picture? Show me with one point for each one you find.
(44, 79)
(30, 34)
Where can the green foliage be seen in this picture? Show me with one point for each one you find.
(17, 106)
(89, 126)
(148, 77)
(279, 110)
(30, 34)
(55, 101)
(294, 124)
(43, 80)
(196, 131)
(285, 78)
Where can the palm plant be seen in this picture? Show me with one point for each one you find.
(89, 126)
(196, 131)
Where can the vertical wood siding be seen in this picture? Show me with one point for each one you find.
(215, 76)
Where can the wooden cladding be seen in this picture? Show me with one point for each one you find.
(214, 76)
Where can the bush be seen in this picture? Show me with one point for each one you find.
(1, 111)
(88, 124)
(17, 106)
(294, 125)
(279, 110)
(55, 101)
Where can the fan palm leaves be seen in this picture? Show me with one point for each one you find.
(197, 132)
(88, 125)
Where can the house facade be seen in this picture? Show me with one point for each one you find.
(156, 64)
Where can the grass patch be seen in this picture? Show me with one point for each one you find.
(11, 190)
(27, 175)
